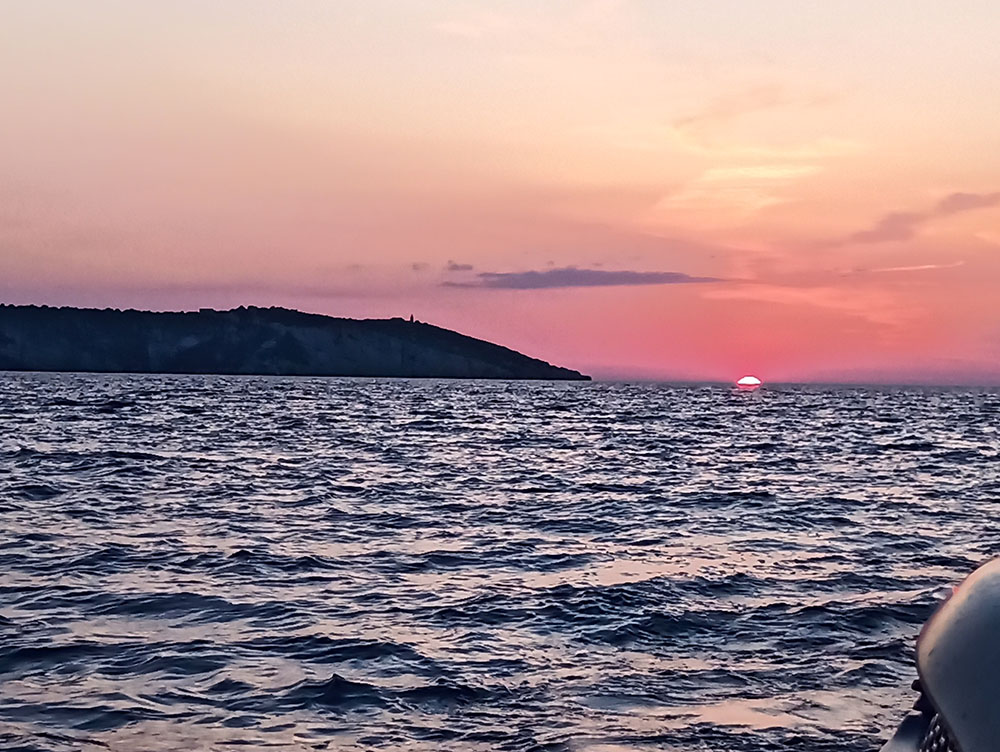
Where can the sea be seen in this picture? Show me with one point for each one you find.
(250, 563)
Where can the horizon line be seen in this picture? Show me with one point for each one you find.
(593, 380)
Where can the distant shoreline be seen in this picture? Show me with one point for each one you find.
(231, 374)
(250, 341)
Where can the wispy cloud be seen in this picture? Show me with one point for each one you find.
(454, 266)
(758, 173)
(899, 226)
(745, 189)
(877, 306)
(571, 276)
(916, 268)
(700, 130)
(731, 106)
(959, 202)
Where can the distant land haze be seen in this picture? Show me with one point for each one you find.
(250, 340)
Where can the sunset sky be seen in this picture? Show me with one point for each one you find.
(681, 189)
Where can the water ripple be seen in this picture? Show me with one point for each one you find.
(356, 564)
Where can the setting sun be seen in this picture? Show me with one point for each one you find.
(749, 382)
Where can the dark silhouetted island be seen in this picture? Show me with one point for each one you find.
(263, 341)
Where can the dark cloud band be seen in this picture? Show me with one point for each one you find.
(898, 226)
(573, 277)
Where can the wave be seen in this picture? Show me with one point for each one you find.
(210, 562)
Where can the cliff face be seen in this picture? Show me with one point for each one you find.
(274, 341)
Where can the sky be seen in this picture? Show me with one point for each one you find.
(675, 189)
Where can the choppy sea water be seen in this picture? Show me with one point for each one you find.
(214, 563)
